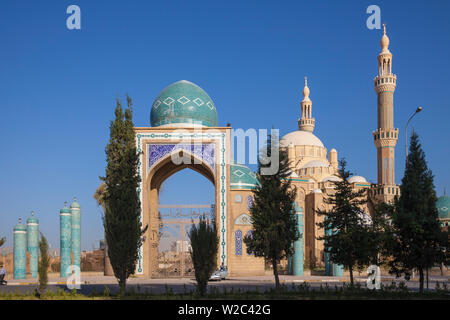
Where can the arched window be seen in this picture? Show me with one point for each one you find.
(249, 235)
(238, 242)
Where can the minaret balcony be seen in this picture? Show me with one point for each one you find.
(385, 137)
(385, 79)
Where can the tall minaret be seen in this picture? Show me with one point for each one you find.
(306, 122)
(385, 137)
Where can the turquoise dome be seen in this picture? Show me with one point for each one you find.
(20, 226)
(443, 207)
(75, 204)
(242, 177)
(65, 209)
(183, 102)
(32, 219)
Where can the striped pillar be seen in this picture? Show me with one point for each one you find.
(328, 266)
(65, 227)
(20, 250)
(297, 261)
(76, 232)
(33, 243)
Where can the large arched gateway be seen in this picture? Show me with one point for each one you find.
(184, 134)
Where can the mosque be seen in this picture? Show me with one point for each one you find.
(184, 123)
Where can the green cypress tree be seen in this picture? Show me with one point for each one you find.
(273, 216)
(2, 241)
(418, 241)
(123, 229)
(204, 246)
(43, 264)
(348, 243)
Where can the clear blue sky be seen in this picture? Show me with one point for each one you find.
(58, 87)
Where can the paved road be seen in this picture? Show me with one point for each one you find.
(185, 285)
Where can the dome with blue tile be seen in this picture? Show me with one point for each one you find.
(32, 219)
(443, 207)
(183, 103)
(242, 177)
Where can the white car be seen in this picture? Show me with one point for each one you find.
(218, 275)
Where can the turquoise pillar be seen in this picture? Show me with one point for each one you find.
(338, 270)
(297, 261)
(65, 228)
(33, 243)
(328, 266)
(20, 251)
(76, 232)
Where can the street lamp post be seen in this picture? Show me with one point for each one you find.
(406, 131)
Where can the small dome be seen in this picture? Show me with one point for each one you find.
(20, 226)
(65, 209)
(357, 179)
(315, 164)
(32, 219)
(242, 177)
(183, 103)
(333, 150)
(75, 204)
(443, 207)
(306, 91)
(300, 138)
(384, 42)
(331, 178)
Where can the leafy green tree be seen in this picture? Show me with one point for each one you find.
(348, 244)
(44, 262)
(273, 216)
(418, 241)
(2, 241)
(204, 247)
(123, 229)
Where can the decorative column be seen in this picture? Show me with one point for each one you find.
(328, 266)
(65, 225)
(76, 232)
(33, 243)
(20, 250)
(297, 261)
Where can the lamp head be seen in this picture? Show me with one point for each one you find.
(418, 109)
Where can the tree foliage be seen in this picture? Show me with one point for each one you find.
(123, 229)
(44, 262)
(204, 246)
(273, 217)
(418, 241)
(2, 241)
(100, 196)
(348, 242)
